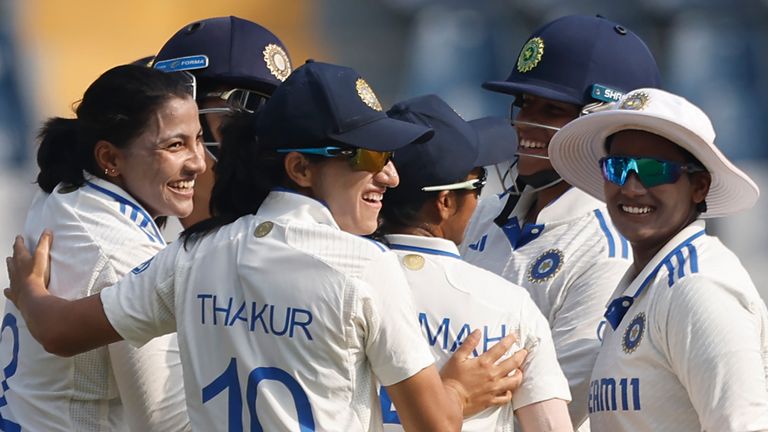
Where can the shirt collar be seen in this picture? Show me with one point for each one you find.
(427, 245)
(102, 185)
(287, 204)
(635, 286)
(571, 204)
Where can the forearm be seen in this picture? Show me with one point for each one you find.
(65, 327)
(545, 416)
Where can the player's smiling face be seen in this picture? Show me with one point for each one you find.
(650, 216)
(533, 140)
(160, 166)
(354, 197)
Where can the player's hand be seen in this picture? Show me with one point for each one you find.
(483, 382)
(28, 274)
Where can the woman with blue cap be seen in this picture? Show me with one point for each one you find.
(285, 314)
(424, 221)
(686, 348)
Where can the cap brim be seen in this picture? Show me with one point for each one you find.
(384, 134)
(497, 140)
(576, 149)
(517, 89)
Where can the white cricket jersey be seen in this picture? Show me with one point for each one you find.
(691, 351)
(100, 233)
(454, 298)
(284, 320)
(570, 260)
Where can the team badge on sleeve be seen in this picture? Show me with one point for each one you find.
(634, 333)
(277, 61)
(546, 266)
(531, 54)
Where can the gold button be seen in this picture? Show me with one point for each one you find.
(413, 261)
(263, 229)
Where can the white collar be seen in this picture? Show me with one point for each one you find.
(573, 203)
(638, 284)
(288, 204)
(427, 245)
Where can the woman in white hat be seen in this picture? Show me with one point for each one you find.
(686, 348)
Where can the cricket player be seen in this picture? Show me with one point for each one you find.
(686, 348)
(545, 235)
(424, 219)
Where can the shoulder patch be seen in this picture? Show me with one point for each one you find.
(546, 266)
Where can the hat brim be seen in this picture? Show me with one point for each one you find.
(384, 134)
(497, 140)
(516, 89)
(576, 149)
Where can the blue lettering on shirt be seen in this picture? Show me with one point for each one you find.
(614, 394)
(267, 318)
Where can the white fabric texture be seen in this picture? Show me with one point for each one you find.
(691, 352)
(570, 261)
(310, 313)
(100, 233)
(453, 298)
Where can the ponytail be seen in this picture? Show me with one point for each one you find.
(58, 156)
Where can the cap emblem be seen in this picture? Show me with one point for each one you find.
(367, 95)
(531, 54)
(635, 101)
(277, 61)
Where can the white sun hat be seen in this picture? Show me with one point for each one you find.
(575, 150)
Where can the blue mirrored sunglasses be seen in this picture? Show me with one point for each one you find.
(651, 172)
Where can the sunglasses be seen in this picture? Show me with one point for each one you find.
(470, 185)
(651, 172)
(359, 159)
(238, 100)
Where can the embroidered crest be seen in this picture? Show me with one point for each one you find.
(413, 262)
(367, 95)
(277, 61)
(531, 54)
(634, 333)
(546, 266)
(635, 101)
(263, 229)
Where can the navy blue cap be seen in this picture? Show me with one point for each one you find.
(580, 60)
(321, 102)
(227, 50)
(456, 148)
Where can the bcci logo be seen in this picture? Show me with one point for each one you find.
(546, 266)
(277, 61)
(634, 333)
(367, 95)
(635, 101)
(531, 54)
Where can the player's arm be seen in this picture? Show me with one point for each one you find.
(713, 344)
(545, 416)
(575, 324)
(61, 326)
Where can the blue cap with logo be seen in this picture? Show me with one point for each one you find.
(322, 103)
(581, 60)
(227, 50)
(449, 156)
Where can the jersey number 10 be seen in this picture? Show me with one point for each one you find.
(229, 380)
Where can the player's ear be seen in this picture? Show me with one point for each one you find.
(446, 204)
(109, 158)
(298, 169)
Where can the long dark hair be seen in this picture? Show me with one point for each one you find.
(116, 108)
(245, 174)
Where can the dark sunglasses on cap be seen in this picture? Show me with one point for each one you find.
(471, 185)
(238, 100)
(359, 159)
(651, 172)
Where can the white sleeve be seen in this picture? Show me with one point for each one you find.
(542, 377)
(150, 383)
(575, 324)
(394, 346)
(713, 345)
(142, 305)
